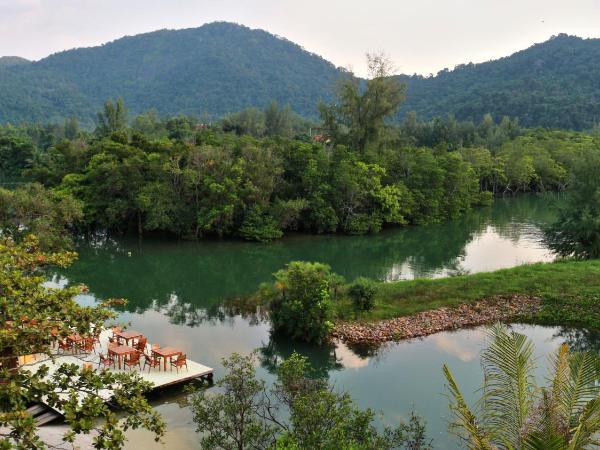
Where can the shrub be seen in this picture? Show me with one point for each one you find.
(362, 292)
(259, 226)
(299, 301)
(486, 198)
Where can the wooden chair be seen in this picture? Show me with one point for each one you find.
(54, 338)
(106, 361)
(65, 345)
(87, 345)
(180, 362)
(154, 347)
(141, 344)
(150, 361)
(133, 360)
(116, 329)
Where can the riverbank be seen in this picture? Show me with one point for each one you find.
(498, 309)
(559, 293)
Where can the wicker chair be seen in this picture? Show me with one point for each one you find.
(116, 329)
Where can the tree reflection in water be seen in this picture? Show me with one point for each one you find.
(322, 358)
(180, 313)
(580, 339)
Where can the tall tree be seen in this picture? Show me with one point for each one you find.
(359, 111)
(278, 120)
(112, 118)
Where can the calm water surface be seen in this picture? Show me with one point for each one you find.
(176, 291)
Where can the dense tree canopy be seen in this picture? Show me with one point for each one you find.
(182, 177)
(551, 84)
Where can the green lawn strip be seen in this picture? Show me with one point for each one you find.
(570, 291)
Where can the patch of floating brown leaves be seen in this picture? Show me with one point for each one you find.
(495, 309)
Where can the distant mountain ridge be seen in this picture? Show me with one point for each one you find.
(217, 68)
(223, 67)
(552, 84)
(6, 61)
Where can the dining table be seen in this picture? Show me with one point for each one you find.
(121, 351)
(166, 352)
(76, 340)
(127, 335)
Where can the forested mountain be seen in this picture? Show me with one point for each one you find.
(217, 68)
(553, 84)
(6, 61)
(222, 67)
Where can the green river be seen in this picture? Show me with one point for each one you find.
(176, 291)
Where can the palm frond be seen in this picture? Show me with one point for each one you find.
(583, 384)
(544, 441)
(586, 434)
(561, 371)
(465, 420)
(509, 387)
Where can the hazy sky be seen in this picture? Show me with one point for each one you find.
(420, 36)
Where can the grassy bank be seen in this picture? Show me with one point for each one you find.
(570, 293)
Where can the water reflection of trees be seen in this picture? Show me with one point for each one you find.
(580, 339)
(322, 358)
(187, 314)
(521, 217)
(203, 274)
(180, 313)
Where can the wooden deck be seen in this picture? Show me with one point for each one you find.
(159, 378)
